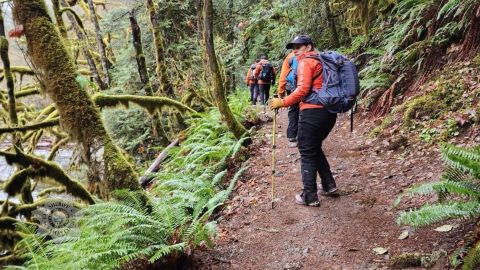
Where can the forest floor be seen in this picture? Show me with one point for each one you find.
(343, 231)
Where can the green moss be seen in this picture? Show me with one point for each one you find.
(472, 260)
(46, 169)
(79, 115)
(15, 184)
(387, 121)
(151, 104)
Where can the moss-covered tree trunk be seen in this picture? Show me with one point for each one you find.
(108, 167)
(58, 18)
(145, 77)
(100, 44)
(332, 24)
(161, 70)
(84, 44)
(218, 87)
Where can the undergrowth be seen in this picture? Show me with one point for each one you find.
(190, 186)
(458, 192)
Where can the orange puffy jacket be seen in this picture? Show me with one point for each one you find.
(283, 74)
(308, 69)
(259, 68)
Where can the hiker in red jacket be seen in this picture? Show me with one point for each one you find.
(286, 85)
(265, 74)
(251, 81)
(314, 125)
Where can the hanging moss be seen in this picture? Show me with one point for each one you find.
(79, 115)
(151, 104)
(15, 184)
(48, 169)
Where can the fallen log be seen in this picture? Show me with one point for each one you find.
(146, 179)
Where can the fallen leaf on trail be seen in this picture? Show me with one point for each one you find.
(444, 228)
(380, 250)
(404, 235)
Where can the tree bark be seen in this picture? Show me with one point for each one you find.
(145, 77)
(218, 87)
(88, 56)
(332, 25)
(101, 46)
(108, 167)
(161, 70)
(58, 18)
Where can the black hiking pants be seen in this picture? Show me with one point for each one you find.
(293, 115)
(264, 90)
(253, 93)
(314, 127)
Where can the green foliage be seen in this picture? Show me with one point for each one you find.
(176, 218)
(464, 191)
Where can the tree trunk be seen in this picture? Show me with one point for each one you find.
(26, 194)
(58, 17)
(218, 91)
(88, 56)
(145, 77)
(161, 70)
(332, 25)
(108, 167)
(101, 46)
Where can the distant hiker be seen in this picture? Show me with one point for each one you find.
(251, 81)
(315, 123)
(287, 84)
(265, 73)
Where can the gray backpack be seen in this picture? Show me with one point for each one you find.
(341, 85)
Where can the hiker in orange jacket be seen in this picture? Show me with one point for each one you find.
(265, 74)
(286, 85)
(314, 125)
(251, 81)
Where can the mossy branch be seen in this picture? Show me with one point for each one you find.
(75, 15)
(8, 223)
(15, 183)
(22, 70)
(151, 104)
(27, 208)
(57, 190)
(37, 126)
(51, 170)
(27, 92)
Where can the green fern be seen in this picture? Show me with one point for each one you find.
(455, 181)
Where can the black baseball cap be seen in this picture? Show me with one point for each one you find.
(302, 39)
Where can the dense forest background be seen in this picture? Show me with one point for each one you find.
(94, 91)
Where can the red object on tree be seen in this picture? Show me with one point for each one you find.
(17, 31)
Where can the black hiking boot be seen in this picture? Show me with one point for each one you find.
(300, 199)
(309, 178)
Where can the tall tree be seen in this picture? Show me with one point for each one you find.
(162, 76)
(218, 86)
(100, 44)
(144, 76)
(108, 167)
(84, 45)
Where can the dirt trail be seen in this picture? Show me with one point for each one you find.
(342, 232)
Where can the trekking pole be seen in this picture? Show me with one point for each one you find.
(274, 146)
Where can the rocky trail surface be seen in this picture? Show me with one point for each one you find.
(356, 230)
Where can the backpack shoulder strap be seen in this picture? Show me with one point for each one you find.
(319, 58)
